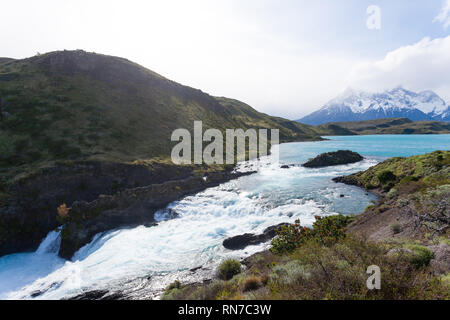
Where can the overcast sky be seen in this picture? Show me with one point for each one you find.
(285, 58)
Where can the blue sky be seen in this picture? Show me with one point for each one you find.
(340, 26)
(285, 58)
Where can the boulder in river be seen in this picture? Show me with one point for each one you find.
(333, 159)
(241, 241)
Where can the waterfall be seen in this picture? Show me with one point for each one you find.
(20, 269)
(50, 244)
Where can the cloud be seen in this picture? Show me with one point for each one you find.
(444, 16)
(421, 66)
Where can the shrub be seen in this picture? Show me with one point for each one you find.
(331, 229)
(290, 237)
(265, 279)
(173, 291)
(174, 285)
(251, 283)
(421, 256)
(386, 176)
(63, 210)
(387, 187)
(392, 193)
(396, 228)
(446, 279)
(289, 272)
(326, 231)
(228, 269)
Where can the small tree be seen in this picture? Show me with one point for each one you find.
(63, 210)
(386, 176)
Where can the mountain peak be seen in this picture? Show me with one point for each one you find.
(71, 62)
(347, 95)
(357, 105)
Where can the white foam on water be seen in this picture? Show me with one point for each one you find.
(17, 270)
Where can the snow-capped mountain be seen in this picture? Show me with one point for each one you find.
(354, 105)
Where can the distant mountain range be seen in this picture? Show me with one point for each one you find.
(383, 126)
(354, 105)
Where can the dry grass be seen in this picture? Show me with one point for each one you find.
(315, 271)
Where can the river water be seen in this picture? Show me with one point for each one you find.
(248, 204)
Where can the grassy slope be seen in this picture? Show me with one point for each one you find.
(4, 60)
(414, 197)
(289, 130)
(383, 126)
(75, 105)
(430, 170)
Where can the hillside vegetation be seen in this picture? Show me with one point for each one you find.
(414, 201)
(322, 263)
(73, 105)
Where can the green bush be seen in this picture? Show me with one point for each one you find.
(290, 237)
(396, 228)
(421, 256)
(392, 193)
(290, 272)
(174, 285)
(228, 269)
(386, 176)
(326, 231)
(174, 291)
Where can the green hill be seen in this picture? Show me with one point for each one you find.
(3, 60)
(83, 129)
(74, 105)
(249, 117)
(383, 126)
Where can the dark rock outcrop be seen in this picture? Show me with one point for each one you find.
(101, 195)
(129, 208)
(241, 241)
(349, 180)
(97, 295)
(31, 214)
(333, 159)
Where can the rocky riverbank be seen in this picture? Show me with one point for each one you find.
(248, 239)
(130, 207)
(96, 196)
